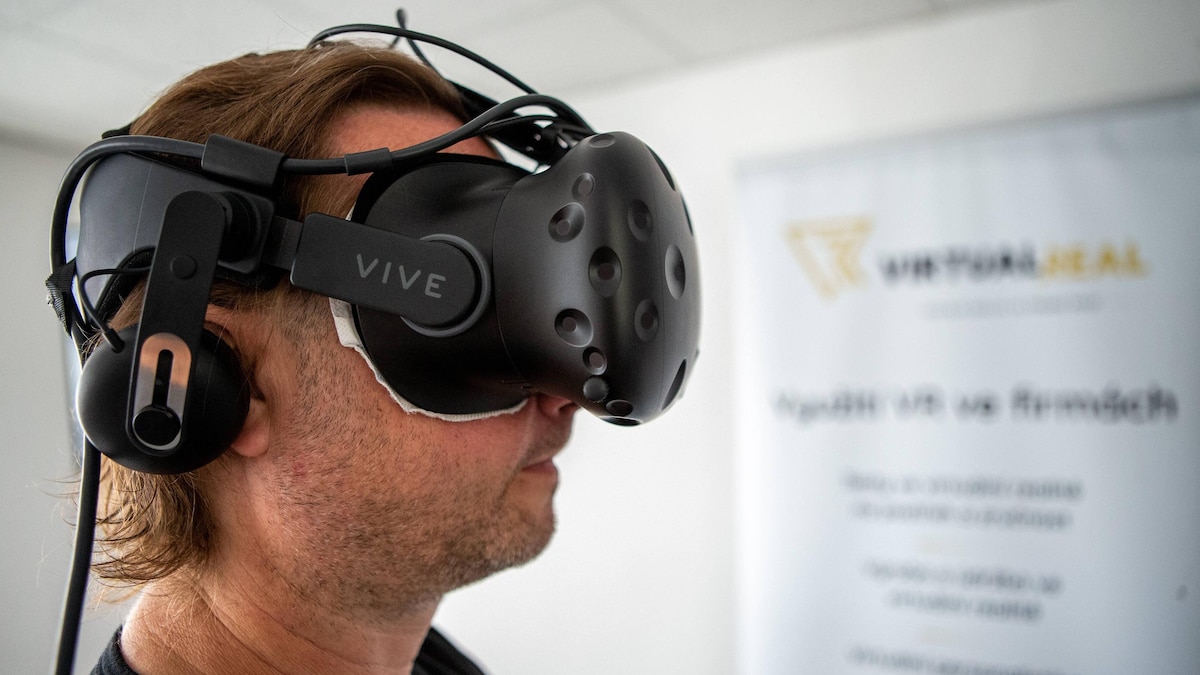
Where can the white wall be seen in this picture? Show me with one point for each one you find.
(38, 459)
(641, 577)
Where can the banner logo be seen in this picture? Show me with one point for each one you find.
(830, 252)
(989, 263)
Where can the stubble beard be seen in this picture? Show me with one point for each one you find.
(393, 555)
(375, 553)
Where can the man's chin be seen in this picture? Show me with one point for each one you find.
(538, 531)
(509, 558)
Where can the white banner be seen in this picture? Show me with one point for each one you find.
(969, 400)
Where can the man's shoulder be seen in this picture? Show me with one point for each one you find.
(111, 661)
(439, 656)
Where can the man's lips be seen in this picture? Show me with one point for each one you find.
(542, 461)
(544, 466)
(550, 443)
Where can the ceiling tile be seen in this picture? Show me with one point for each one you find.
(181, 34)
(443, 18)
(708, 28)
(73, 67)
(560, 47)
(63, 94)
(15, 14)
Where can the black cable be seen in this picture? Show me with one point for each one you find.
(470, 129)
(400, 15)
(555, 124)
(89, 310)
(422, 37)
(70, 184)
(81, 559)
(177, 148)
(402, 21)
(92, 154)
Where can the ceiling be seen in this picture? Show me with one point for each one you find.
(70, 69)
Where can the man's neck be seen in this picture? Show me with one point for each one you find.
(232, 627)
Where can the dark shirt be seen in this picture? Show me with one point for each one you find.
(437, 657)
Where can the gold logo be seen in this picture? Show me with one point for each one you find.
(829, 251)
(1079, 262)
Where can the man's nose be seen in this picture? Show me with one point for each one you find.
(553, 406)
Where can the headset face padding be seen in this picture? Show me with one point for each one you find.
(218, 398)
(590, 282)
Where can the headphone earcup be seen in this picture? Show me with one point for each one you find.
(218, 398)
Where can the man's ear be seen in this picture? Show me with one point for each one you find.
(255, 436)
(234, 329)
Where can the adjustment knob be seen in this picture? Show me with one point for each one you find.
(157, 426)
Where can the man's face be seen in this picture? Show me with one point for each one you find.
(377, 507)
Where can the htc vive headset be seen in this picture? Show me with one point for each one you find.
(471, 282)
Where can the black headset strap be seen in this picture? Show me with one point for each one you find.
(59, 287)
(173, 313)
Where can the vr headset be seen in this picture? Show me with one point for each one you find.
(471, 282)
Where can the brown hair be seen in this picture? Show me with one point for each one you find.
(152, 525)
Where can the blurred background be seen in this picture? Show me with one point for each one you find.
(680, 547)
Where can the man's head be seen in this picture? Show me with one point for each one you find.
(329, 482)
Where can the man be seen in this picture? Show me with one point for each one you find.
(323, 539)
